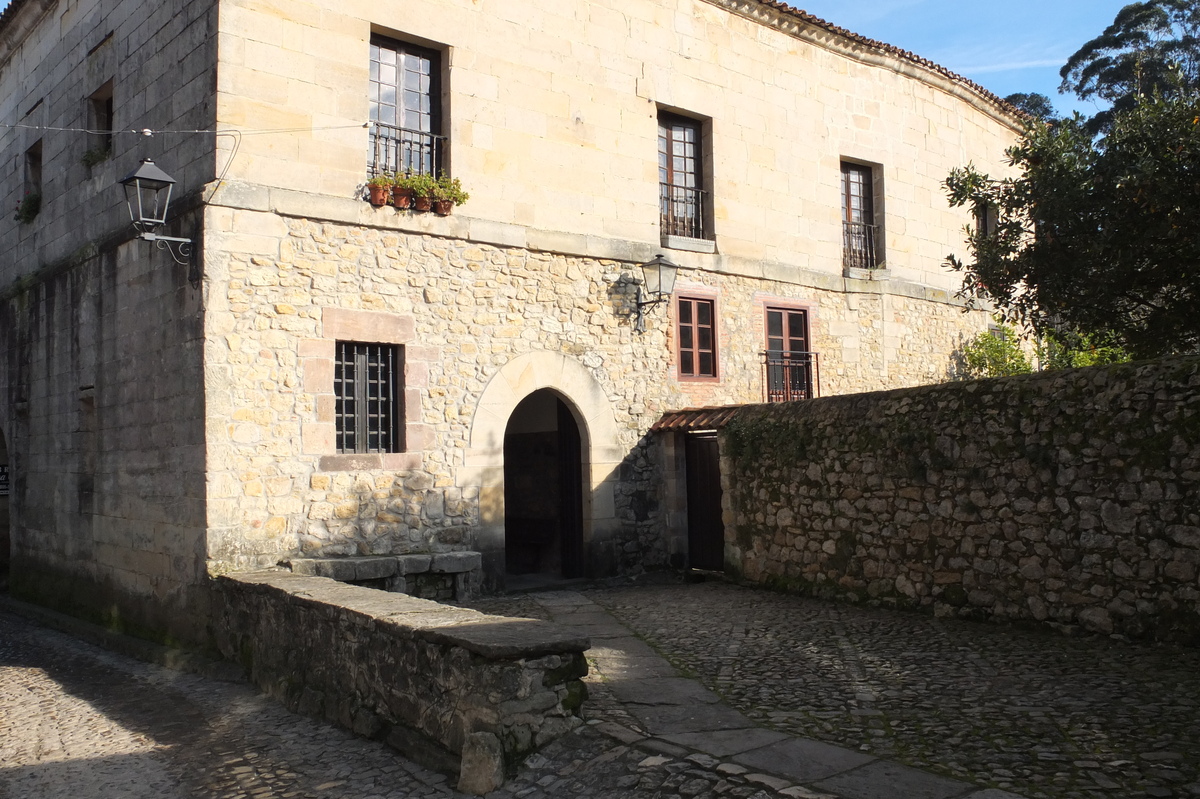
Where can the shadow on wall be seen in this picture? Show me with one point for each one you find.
(5, 539)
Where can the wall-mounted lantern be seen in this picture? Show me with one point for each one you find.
(659, 277)
(148, 197)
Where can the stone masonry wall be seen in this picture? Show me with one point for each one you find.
(409, 670)
(462, 311)
(1070, 497)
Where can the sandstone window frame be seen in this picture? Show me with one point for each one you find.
(368, 390)
(685, 165)
(690, 336)
(406, 100)
(862, 213)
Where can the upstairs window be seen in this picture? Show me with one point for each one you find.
(680, 177)
(405, 97)
(367, 397)
(860, 234)
(790, 366)
(100, 121)
(697, 338)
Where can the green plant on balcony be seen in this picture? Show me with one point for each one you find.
(27, 209)
(94, 156)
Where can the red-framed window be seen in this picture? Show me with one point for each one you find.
(697, 326)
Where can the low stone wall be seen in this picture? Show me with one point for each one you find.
(437, 682)
(1068, 497)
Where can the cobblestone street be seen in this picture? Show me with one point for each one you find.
(988, 712)
(1032, 712)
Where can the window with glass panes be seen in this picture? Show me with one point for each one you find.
(367, 398)
(681, 200)
(405, 107)
(697, 338)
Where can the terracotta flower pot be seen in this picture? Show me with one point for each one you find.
(378, 194)
(402, 198)
(422, 202)
(443, 207)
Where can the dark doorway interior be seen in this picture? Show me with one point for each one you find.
(5, 541)
(706, 530)
(543, 489)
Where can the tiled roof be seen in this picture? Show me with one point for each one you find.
(695, 419)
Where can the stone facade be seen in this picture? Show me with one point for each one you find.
(161, 435)
(1070, 497)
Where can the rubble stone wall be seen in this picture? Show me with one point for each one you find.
(427, 677)
(1069, 497)
(285, 288)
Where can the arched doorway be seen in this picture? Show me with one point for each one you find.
(543, 492)
(5, 539)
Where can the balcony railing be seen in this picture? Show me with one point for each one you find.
(858, 250)
(681, 211)
(403, 151)
(789, 376)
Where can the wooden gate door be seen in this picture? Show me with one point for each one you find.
(706, 531)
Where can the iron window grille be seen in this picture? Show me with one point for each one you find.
(405, 97)
(860, 234)
(367, 409)
(681, 200)
(789, 369)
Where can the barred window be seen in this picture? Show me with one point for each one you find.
(366, 387)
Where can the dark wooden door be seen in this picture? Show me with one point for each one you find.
(706, 531)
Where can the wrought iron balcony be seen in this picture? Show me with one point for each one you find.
(403, 151)
(789, 376)
(858, 250)
(682, 211)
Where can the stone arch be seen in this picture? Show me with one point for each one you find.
(483, 468)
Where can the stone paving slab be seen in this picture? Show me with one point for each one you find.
(884, 780)
(803, 760)
(724, 743)
(662, 691)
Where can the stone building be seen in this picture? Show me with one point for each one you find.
(323, 378)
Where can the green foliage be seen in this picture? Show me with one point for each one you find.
(94, 156)
(1150, 48)
(420, 185)
(1070, 351)
(382, 181)
(28, 208)
(1036, 105)
(448, 188)
(1097, 238)
(994, 354)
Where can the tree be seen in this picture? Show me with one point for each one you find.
(1151, 47)
(1038, 106)
(1095, 238)
(994, 353)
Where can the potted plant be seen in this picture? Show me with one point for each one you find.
(403, 191)
(423, 187)
(447, 193)
(379, 187)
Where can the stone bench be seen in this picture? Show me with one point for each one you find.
(399, 573)
(450, 687)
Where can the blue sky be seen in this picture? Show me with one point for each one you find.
(1006, 47)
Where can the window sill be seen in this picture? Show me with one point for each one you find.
(854, 273)
(369, 462)
(691, 245)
